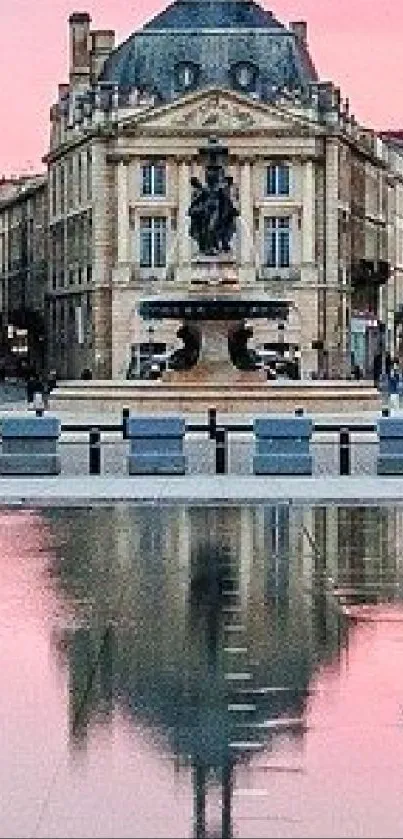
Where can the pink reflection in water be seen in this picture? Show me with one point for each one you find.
(340, 778)
(346, 778)
(121, 786)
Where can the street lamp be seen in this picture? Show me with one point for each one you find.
(280, 343)
(151, 330)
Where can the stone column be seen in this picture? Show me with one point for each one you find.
(308, 214)
(332, 215)
(102, 217)
(246, 218)
(135, 232)
(184, 249)
(123, 214)
(333, 336)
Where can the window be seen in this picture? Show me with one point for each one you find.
(153, 246)
(3, 252)
(277, 242)
(53, 314)
(54, 191)
(88, 238)
(62, 318)
(62, 189)
(70, 183)
(186, 75)
(278, 179)
(62, 252)
(79, 179)
(153, 179)
(89, 174)
(244, 76)
(53, 256)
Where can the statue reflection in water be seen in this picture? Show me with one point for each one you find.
(139, 644)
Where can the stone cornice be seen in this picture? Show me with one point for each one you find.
(75, 142)
(182, 131)
(119, 157)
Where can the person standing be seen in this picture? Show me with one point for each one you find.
(394, 382)
(377, 369)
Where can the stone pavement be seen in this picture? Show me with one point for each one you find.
(199, 449)
(213, 490)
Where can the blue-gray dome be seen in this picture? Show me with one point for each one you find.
(213, 14)
(194, 44)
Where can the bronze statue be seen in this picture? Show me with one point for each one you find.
(212, 211)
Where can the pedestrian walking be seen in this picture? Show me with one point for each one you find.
(52, 380)
(30, 388)
(377, 369)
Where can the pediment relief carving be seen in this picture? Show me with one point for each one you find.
(220, 111)
(216, 114)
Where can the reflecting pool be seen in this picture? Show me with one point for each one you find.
(198, 672)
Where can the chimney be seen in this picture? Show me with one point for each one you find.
(102, 44)
(63, 91)
(300, 30)
(79, 53)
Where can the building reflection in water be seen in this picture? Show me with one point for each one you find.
(207, 626)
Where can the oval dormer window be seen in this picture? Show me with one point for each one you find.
(186, 75)
(244, 75)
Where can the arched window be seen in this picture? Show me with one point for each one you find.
(186, 75)
(244, 75)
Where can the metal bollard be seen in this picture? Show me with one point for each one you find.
(299, 412)
(125, 417)
(38, 404)
(221, 451)
(344, 451)
(95, 451)
(212, 423)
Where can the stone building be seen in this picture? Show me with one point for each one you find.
(320, 198)
(23, 272)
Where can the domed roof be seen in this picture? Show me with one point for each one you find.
(213, 14)
(194, 44)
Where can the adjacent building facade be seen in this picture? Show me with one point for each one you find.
(320, 198)
(23, 273)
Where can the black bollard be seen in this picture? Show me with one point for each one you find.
(344, 451)
(385, 412)
(95, 451)
(212, 423)
(125, 417)
(38, 404)
(299, 412)
(221, 451)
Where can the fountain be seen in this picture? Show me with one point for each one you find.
(216, 310)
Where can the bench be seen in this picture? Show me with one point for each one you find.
(156, 445)
(282, 445)
(390, 451)
(30, 446)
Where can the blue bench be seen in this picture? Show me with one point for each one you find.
(390, 451)
(30, 446)
(282, 446)
(156, 445)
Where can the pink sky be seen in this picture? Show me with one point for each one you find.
(355, 43)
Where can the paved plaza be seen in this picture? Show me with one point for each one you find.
(76, 486)
(213, 490)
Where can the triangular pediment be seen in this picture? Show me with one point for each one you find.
(217, 109)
